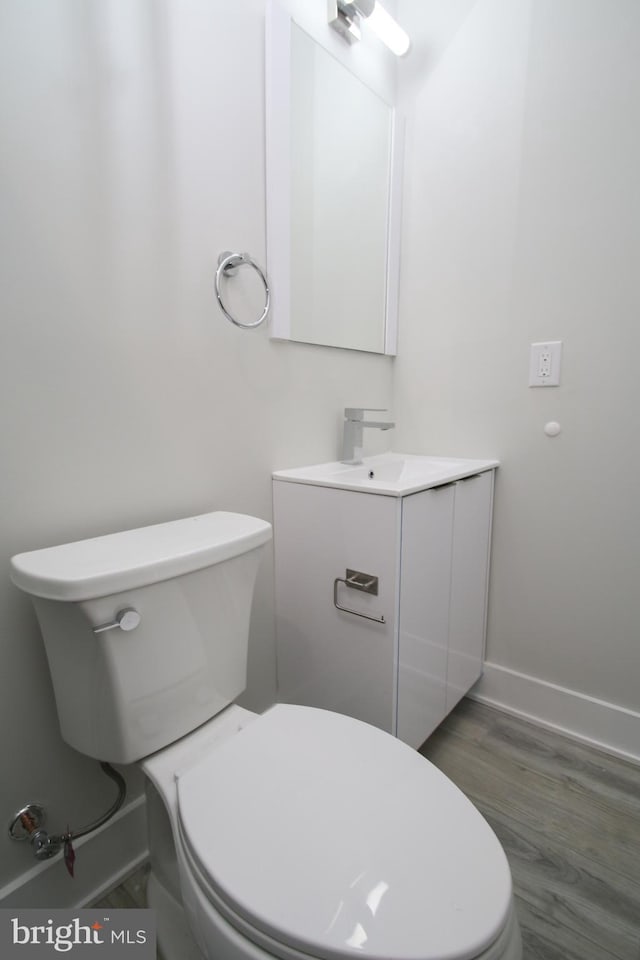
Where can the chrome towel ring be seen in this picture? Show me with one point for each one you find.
(228, 264)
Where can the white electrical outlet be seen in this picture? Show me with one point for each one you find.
(544, 364)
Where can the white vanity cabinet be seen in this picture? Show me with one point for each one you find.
(403, 658)
(444, 568)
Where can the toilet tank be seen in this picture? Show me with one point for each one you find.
(123, 694)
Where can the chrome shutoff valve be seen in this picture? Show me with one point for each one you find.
(27, 824)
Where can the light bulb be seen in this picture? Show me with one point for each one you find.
(386, 28)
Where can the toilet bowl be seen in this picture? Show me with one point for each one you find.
(298, 834)
(303, 833)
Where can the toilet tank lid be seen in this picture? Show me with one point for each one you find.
(121, 561)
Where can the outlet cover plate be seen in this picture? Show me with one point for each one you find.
(544, 363)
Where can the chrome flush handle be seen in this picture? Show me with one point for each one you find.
(126, 619)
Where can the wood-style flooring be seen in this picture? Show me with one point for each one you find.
(130, 894)
(568, 818)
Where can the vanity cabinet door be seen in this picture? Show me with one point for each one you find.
(427, 523)
(469, 580)
(327, 657)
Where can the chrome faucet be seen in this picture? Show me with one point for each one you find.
(354, 423)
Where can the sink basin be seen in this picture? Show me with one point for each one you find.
(389, 474)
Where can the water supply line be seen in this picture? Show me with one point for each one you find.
(28, 822)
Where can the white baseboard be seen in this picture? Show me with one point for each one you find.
(103, 859)
(600, 724)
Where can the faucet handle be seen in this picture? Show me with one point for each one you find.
(358, 413)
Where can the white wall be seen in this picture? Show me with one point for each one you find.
(522, 223)
(133, 154)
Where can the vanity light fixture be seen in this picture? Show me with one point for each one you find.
(345, 17)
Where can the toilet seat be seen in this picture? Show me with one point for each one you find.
(316, 834)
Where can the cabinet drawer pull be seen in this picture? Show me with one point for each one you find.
(349, 582)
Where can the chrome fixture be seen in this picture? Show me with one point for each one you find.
(345, 16)
(127, 619)
(28, 822)
(228, 264)
(354, 423)
(364, 582)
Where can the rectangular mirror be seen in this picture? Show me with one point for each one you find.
(333, 197)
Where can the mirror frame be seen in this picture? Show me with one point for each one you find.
(278, 191)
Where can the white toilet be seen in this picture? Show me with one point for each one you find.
(297, 834)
